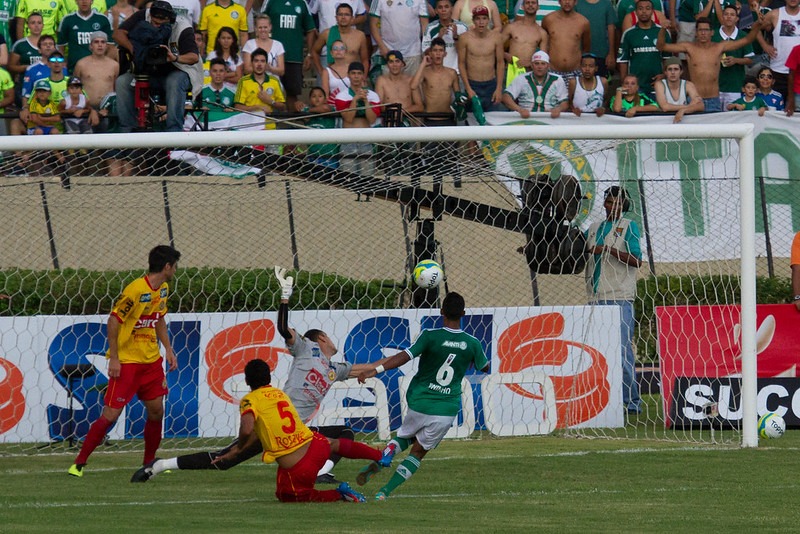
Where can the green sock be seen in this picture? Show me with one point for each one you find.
(404, 471)
(402, 443)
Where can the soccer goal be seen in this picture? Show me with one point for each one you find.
(503, 209)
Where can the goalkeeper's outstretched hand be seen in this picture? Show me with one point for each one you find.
(285, 282)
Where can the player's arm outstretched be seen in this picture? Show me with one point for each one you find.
(286, 283)
(376, 368)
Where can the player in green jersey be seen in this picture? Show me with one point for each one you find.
(434, 395)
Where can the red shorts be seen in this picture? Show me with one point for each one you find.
(297, 484)
(147, 380)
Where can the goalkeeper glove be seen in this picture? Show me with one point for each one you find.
(285, 282)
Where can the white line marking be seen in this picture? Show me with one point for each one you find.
(131, 503)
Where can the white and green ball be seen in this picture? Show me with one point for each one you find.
(771, 426)
(428, 274)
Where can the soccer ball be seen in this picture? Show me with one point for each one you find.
(771, 425)
(428, 274)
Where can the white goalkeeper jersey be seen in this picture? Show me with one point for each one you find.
(311, 376)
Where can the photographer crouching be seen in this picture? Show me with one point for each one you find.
(156, 43)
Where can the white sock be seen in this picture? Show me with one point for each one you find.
(326, 468)
(165, 465)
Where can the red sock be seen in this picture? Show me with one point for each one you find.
(354, 449)
(97, 432)
(152, 439)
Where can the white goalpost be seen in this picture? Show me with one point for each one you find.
(502, 208)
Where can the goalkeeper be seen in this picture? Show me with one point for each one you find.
(311, 375)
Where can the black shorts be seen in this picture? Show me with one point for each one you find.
(292, 78)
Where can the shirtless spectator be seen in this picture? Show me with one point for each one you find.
(439, 86)
(523, 37)
(97, 71)
(676, 95)
(570, 38)
(448, 29)
(537, 91)
(438, 83)
(587, 92)
(480, 62)
(394, 87)
(356, 41)
(704, 57)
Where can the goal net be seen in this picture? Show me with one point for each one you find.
(503, 209)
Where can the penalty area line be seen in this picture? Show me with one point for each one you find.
(129, 503)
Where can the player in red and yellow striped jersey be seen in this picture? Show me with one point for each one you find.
(268, 415)
(135, 366)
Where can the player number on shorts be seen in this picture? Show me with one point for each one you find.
(445, 373)
(286, 414)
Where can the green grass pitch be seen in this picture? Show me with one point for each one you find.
(543, 484)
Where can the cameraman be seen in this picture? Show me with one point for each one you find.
(156, 43)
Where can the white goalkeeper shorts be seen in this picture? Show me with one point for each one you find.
(428, 430)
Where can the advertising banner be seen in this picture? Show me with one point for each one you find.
(566, 362)
(699, 351)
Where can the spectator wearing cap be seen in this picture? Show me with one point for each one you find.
(480, 62)
(97, 70)
(537, 91)
(397, 25)
(43, 112)
(75, 110)
(463, 11)
(570, 37)
(394, 87)
(676, 95)
(161, 46)
(75, 30)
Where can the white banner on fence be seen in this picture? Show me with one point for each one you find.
(689, 187)
(567, 361)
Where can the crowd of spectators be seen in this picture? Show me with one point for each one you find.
(77, 66)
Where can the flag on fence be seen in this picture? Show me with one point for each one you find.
(213, 166)
(224, 120)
